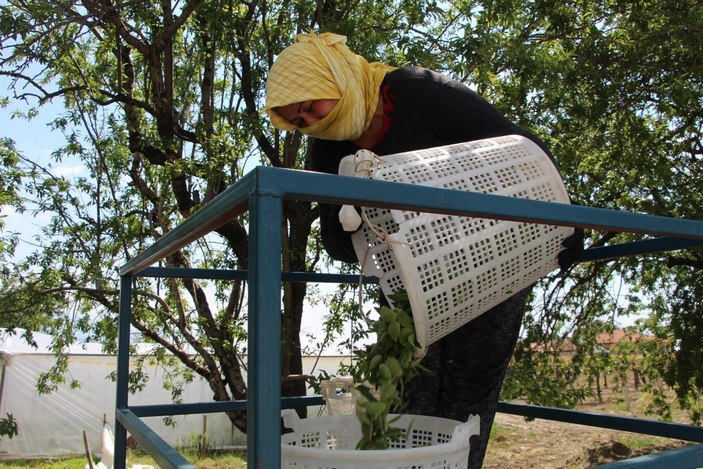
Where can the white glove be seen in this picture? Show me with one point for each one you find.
(349, 218)
(359, 164)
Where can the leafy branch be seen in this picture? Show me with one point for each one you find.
(383, 369)
(8, 426)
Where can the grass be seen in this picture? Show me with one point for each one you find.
(214, 461)
(638, 442)
(221, 461)
(70, 463)
(499, 433)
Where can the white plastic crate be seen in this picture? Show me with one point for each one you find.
(329, 442)
(456, 268)
(338, 396)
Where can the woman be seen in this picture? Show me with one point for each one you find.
(318, 86)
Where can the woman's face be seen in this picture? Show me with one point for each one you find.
(307, 113)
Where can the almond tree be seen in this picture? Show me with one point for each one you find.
(163, 107)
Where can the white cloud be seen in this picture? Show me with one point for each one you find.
(69, 171)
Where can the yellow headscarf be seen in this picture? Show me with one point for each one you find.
(323, 67)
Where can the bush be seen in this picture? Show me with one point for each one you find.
(8, 426)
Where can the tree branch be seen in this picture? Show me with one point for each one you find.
(45, 95)
(675, 261)
(162, 40)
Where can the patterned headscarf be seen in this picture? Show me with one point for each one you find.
(322, 67)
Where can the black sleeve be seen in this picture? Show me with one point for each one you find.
(325, 157)
(336, 241)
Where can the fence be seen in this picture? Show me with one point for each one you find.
(262, 192)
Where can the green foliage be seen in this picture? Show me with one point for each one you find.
(197, 443)
(544, 377)
(382, 370)
(8, 426)
(10, 180)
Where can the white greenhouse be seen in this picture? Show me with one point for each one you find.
(51, 425)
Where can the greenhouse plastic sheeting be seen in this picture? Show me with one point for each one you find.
(51, 425)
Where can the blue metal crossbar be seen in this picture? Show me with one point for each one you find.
(682, 458)
(261, 192)
(613, 422)
(162, 452)
(220, 274)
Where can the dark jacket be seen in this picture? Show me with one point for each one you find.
(467, 366)
(428, 110)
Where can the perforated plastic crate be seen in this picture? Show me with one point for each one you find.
(338, 396)
(329, 442)
(456, 268)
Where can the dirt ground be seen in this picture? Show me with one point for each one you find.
(545, 444)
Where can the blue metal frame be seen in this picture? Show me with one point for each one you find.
(262, 192)
(687, 457)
